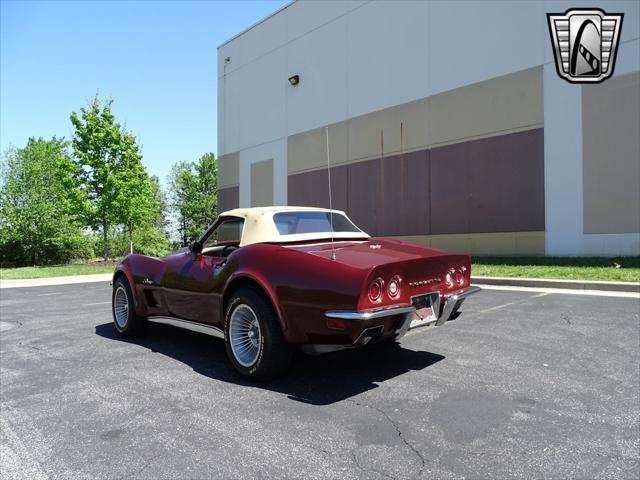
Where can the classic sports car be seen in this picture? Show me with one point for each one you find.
(268, 279)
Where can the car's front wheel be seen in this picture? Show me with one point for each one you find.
(254, 341)
(124, 314)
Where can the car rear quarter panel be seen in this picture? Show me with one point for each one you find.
(301, 286)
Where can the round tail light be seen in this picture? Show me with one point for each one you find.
(375, 290)
(393, 289)
(460, 274)
(450, 278)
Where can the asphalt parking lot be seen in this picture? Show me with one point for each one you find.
(522, 385)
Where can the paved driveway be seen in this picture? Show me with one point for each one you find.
(522, 385)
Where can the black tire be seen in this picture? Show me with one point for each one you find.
(133, 324)
(273, 352)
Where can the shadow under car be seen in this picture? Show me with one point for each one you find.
(321, 380)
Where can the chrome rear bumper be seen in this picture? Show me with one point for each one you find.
(450, 302)
(453, 300)
(370, 314)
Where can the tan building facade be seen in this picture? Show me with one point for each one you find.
(506, 159)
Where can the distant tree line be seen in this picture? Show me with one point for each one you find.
(92, 196)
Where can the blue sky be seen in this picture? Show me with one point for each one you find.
(156, 59)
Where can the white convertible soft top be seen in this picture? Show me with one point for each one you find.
(259, 226)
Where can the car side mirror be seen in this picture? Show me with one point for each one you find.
(195, 248)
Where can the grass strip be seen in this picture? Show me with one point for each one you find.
(620, 269)
(54, 271)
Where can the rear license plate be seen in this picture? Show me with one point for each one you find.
(427, 309)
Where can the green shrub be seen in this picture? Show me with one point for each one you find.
(146, 241)
(66, 246)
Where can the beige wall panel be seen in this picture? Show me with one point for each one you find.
(504, 243)
(451, 243)
(493, 244)
(530, 243)
(364, 131)
(510, 102)
(611, 155)
(262, 183)
(503, 104)
(421, 239)
(229, 170)
(308, 150)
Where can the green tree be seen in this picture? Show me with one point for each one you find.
(36, 200)
(151, 237)
(207, 205)
(113, 184)
(150, 234)
(193, 190)
(135, 199)
(159, 214)
(183, 191)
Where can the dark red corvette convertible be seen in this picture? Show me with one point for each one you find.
(268, 279)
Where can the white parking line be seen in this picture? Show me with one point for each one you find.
(498, 307)
(51, 281)
(562, 291)
(97, 303)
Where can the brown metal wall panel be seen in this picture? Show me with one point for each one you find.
(527, 177)
(390, 196)
(405, 197)
(228, 198)
(365, 186)
(450, 183)
(311, 189)
(490, 185)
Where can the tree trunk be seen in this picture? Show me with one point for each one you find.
(105, 241)
(130, 239)
(34, 250)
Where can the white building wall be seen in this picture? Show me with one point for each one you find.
(321, 97)
(355, 57)
(359, 57)
(564, 222)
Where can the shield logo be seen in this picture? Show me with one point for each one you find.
(585, 43)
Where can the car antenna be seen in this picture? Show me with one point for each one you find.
(333, 251)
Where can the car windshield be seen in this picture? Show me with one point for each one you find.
(228, 232)
(294, 223)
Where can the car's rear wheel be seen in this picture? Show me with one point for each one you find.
(124, 314)
(254, 341)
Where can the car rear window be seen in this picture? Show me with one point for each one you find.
(294, 223)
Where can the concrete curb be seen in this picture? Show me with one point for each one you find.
(633, 287)
(43, 282)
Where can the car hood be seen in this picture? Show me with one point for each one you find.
(371, 253)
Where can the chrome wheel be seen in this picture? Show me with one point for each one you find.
(244, 335)
(121, 306)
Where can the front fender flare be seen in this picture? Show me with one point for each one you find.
(124, 269)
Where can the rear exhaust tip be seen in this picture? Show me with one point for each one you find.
(369, 334)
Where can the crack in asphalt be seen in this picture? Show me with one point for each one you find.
(367, 470)
(415, 451)
(321, 450)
